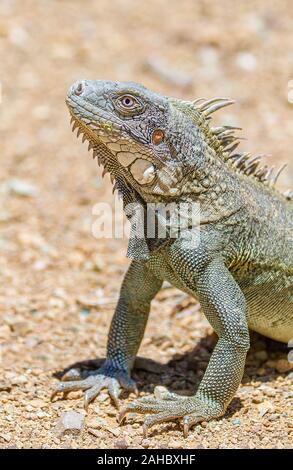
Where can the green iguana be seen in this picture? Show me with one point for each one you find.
(164, 150)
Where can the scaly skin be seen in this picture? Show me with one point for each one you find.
(162, 150)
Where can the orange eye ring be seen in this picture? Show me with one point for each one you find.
(158, 136)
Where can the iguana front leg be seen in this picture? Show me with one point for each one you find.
(126, 332)
(225, 308)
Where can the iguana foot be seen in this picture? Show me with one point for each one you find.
(166, 406)
(108, 376)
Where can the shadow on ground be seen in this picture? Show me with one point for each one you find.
(183, 373)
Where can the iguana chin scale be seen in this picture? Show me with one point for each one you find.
(161, 149)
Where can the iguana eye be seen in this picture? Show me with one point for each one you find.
(128, 105)
(128, 101)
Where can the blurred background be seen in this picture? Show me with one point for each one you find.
(58, 285)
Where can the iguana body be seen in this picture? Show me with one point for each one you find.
(164, 150)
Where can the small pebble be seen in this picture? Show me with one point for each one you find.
(145, 443)
(236, 422)
(5, 387)
(70, 422)
(22, 188)
(246, 61)
(283, 365)
(265, 407)
(121, 443)
(261, 355)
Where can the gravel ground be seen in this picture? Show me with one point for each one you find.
(58, 283)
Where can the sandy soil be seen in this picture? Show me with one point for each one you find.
(58, 283)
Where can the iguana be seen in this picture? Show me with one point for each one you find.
(163, 150)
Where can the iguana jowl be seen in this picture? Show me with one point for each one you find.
(161, 149)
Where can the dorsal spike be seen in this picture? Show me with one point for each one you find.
(234, 156)
(279, 172)
(269, 173)
(198, 100)
(217, 130)
(230, 138)
(220, 129)
(208, 103)
(254, 160)
(259, 156)
(251, 168)
(242, 158)
(224, 141)
(233, 147)
(226, 132)
(217, 106)
(261, 172)
(234, 128)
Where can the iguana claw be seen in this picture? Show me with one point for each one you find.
(106, 377)
(170, 407)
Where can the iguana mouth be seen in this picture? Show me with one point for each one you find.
(141, 170)
(94, 143)
(121, 168)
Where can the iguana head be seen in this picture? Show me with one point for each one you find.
(158, 148)
(144, 141)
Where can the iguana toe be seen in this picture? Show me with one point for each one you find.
(171, 407)
(105, 378)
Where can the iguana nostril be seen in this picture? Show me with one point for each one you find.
(79, 89)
